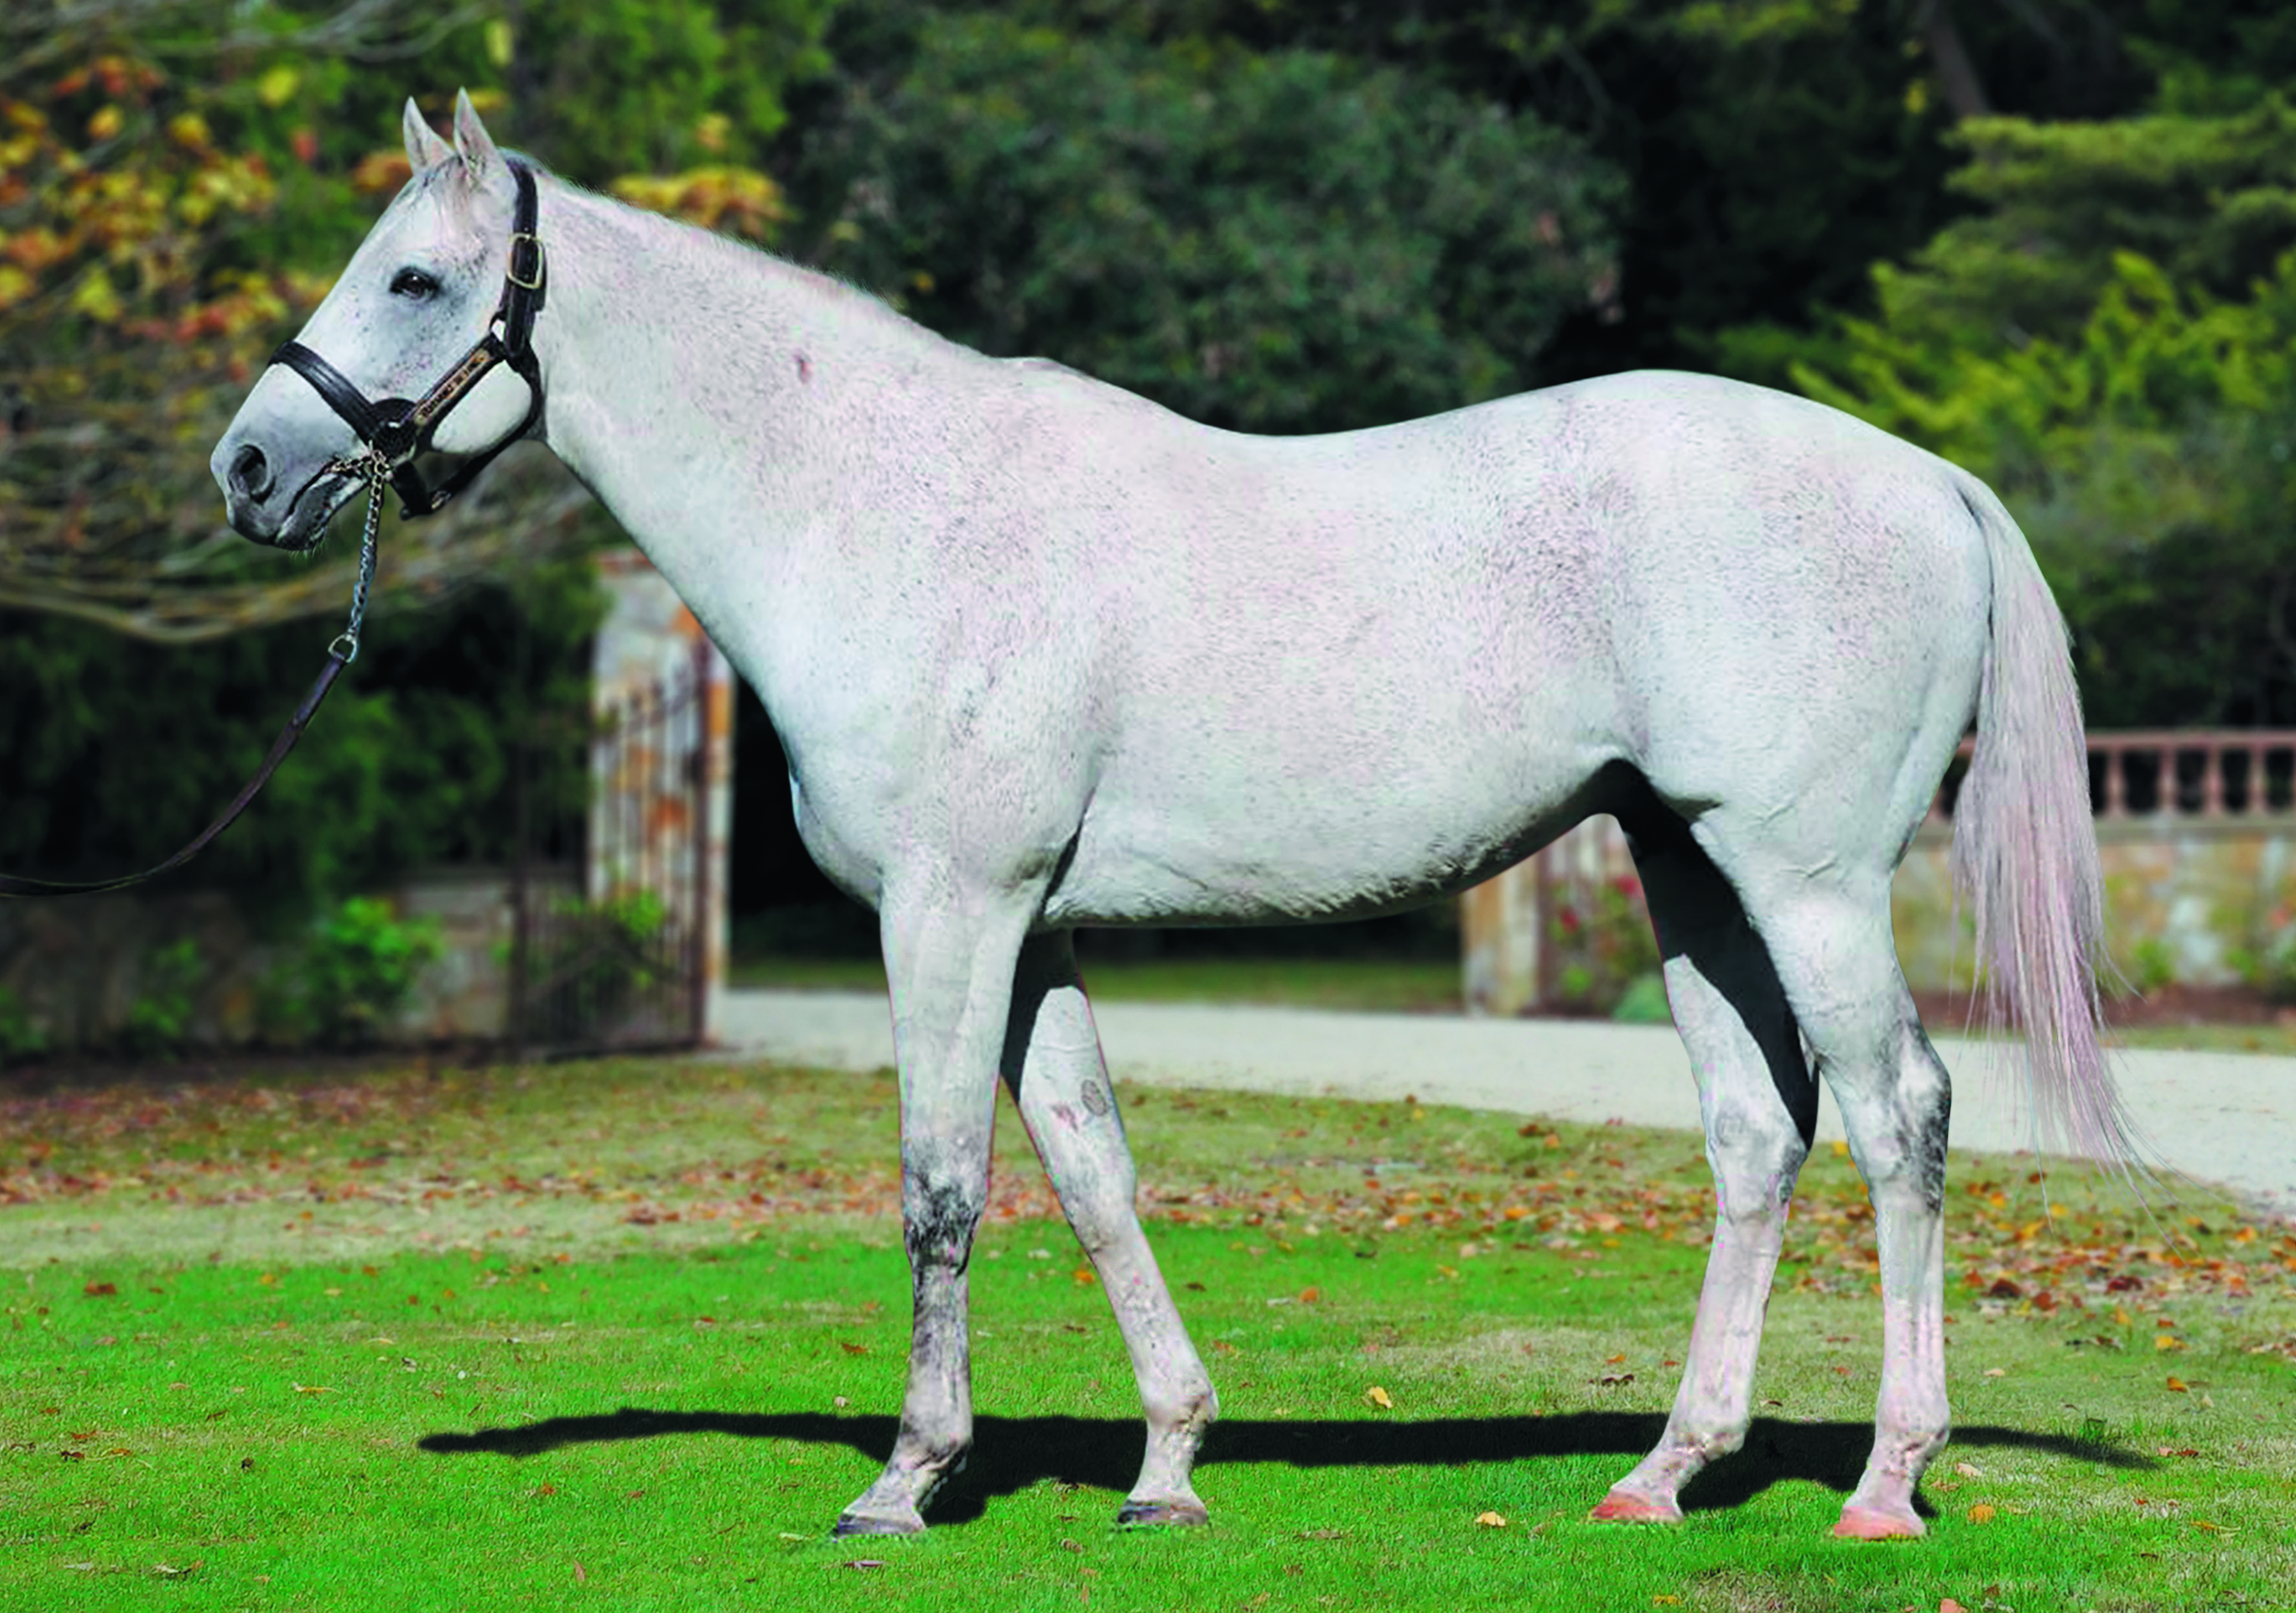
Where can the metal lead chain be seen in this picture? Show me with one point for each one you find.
(370, 464)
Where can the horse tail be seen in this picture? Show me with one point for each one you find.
(2025, 853)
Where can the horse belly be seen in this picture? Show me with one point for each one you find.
(1250, 846)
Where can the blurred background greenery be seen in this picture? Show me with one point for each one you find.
(2050, 239)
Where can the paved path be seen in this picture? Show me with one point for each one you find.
(2226, 1118)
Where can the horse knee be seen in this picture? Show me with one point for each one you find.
(1756, 1158)
(940, 1213)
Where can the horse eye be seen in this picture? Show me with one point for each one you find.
(412, 283)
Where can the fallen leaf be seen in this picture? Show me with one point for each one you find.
(1662, 1601)
(1323, 1535)
(1612, 1360)
(313, 1389)
(865, 1562)
(2177, 1385)
(1980, 1513)
(1379, 1397)
(1613, 1380)
(1950, 1605)
(1309, 1295)
(2173, 1451)
(2212, 1528)
(1067, 1544)
(579, 1577)
(1996, 1371)
(851, 1349)
(101, 1291)
(2167, 1340)
(1491, 1520)
(1967, 1470)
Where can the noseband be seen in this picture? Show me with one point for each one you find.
(396, 431)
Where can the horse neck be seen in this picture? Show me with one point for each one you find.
(720, 401)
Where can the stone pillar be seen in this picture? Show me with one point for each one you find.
(652, 658)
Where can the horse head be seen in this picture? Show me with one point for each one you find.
(420, 300)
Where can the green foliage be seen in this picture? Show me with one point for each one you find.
(2148, 454)
(21, 1036)
(1645, 1002)
(1602, 937)
(357, 969)
(595, 956)
(2152, 965)
(2211, 199)
(1285, 242)
(2270, 966)
(159, 1020)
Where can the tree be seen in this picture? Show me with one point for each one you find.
(173, 199)
(1287, 241)
(2109, 344)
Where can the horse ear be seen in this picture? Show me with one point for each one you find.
(425, 150)
(472, 141)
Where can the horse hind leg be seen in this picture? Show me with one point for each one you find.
(1052, 1064)
(1837, 960)
(1761, 1109)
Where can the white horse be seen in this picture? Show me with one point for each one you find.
(1044, 654)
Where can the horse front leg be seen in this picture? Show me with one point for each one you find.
(1054, 1064)
(948, 964)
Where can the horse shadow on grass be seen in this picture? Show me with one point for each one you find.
(1012, 1453)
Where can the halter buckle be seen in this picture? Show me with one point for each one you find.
(532, 281)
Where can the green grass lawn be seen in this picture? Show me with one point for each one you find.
(634, 1332)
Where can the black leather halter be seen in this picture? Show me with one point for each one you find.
(400, 430)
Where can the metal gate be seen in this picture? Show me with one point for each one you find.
(615, 959)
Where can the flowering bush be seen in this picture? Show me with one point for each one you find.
(1602, 943)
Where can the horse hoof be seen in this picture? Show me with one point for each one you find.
(851, 1524)
(1158, 1515)
(1867, 1523)
(1624, 1506)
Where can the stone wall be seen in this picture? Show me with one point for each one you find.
(2189, 898)
(79, 967)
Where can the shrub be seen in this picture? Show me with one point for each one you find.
(20, 1038)
(159, 1020)
(357, 970)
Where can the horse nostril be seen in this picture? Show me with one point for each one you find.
(251, 473)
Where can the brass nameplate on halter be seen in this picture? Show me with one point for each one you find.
(459, 381)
